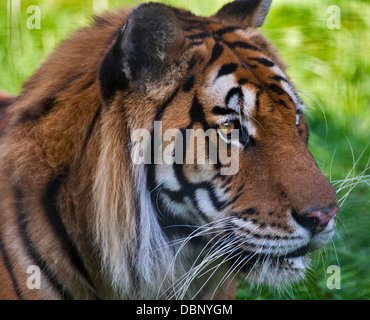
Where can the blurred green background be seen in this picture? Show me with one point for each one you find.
(330, 67)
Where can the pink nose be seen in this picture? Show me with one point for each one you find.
(320, 218)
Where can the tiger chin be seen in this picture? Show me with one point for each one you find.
(99, 224)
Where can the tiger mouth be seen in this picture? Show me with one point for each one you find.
(300, 252)
(293, 260)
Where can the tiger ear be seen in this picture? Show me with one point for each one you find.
(144, 50)
(251, 13)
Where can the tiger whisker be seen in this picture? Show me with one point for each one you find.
(198, 232)
(231, 270)
(211, 257)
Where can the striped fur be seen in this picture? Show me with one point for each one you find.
(101, 227)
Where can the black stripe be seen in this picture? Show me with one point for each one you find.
(197, 112)
(194, 24)
(111, 76)
(230, 202)
(250, 211)
(223, 111)
(194, 44)
(217, 203)
(37, 111)
(227, 182)
(201, 35)
(88, 85)
(247, 65)
(282, 102)
(189, 84)
(241, 187)
(263, 61)
(216, 53)
(175, 196)
(227, 69)
(177, 168)
(257, 102)
(244, 81)
(182, 13)
(275, 88)
(90, 131)
(232, 92)
(50, 203)
(307, 131)
(197, 22)
(45, 105)
(31, 249)
(6, 102)
(193, 61)
(279, 78)
(225, 30)
(9, 268)
(164, 106)
(242, 45)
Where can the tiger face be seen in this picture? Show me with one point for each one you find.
(220, 74)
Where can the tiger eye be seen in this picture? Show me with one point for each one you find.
(227, 127)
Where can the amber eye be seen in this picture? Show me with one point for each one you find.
(226, 128)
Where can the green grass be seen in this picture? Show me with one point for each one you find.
(332, 69)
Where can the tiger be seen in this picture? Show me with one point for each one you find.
(96, 225)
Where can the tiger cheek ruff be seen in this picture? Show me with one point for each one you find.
(99, 225)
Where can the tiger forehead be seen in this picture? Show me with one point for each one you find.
(212, 40)
(236, 61)
(198, 28)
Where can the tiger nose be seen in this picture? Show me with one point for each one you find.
(316, 221)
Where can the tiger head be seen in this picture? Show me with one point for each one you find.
(106, 184)
(192, 73)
